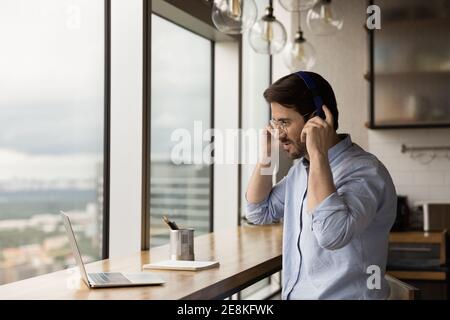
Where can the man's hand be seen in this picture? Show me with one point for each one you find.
(260, 184)
(265, 147)
(319, 134)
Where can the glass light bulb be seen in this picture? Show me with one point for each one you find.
(234, 16)
(299, 55)
(267, 36)
(324, 18)
(297, 5)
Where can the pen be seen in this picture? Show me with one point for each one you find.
(172, 225)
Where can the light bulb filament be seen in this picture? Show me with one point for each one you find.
(327, 14)
(267, 34)
(234, 7)
(299, 52)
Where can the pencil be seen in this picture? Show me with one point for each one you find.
(172, 225)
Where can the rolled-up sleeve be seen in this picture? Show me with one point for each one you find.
(348, 211)
(270, 209)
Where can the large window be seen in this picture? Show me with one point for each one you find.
(51, 137)
(181, 95)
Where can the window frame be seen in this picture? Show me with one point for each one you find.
(106, 130)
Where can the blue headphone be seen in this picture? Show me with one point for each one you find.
(311, 85)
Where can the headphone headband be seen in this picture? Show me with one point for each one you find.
(311, 85)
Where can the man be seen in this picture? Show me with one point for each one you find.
(338, 202)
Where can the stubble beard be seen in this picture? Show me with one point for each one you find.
(299, 150)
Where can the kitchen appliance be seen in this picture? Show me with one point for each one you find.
(436, 215)
(403, 214)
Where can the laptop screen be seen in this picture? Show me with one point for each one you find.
(73, 244)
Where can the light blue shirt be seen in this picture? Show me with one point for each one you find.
(330, 253)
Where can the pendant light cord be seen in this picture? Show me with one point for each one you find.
(299, 18)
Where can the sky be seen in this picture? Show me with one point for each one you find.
(51, 87)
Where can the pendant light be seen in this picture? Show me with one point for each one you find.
(297, 5)
(324, 18)
(299, 54)
(268, 35)
(234, 16)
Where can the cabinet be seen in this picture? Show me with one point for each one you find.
(409, 69)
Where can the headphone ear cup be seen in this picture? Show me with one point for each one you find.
(320, 112)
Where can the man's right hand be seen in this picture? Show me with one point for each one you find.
(260, 183)
(265, 145)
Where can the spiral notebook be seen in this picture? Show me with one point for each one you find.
(182, 265)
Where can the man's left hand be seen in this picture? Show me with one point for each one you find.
(319, 134)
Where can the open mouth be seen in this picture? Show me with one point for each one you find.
(286, 145)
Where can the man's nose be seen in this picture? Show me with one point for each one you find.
(282, 135)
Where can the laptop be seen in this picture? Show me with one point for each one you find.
(107, 279)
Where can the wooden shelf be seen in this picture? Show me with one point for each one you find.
(379, 125)
(408, 74)
(427, 73)
(418, 275)
(417, 237)
(417, 22)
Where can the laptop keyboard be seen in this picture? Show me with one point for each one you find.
(108, 278)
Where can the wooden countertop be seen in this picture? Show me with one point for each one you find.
(246, 254)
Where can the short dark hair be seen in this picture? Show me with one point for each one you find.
(291, 92)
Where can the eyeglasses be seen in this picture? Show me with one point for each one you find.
(279, 124)
(283, 124)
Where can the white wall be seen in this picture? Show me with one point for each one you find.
(419, 181)
(126, 127)
(255, 109)
(226, 113)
